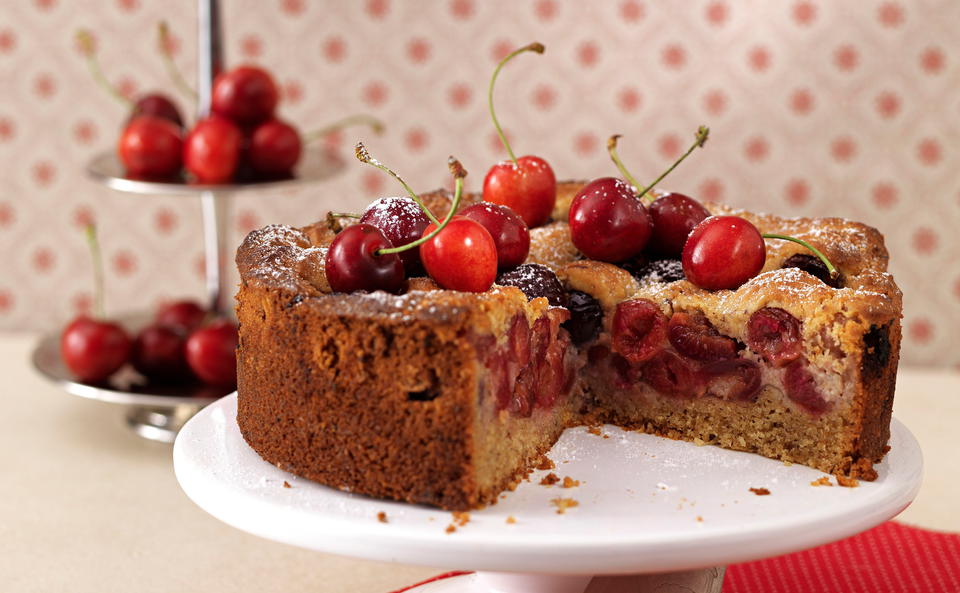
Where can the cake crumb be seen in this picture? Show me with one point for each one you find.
(286, 484)
(569, 482)
(822, 481)
(546, 463)
(699, 442)
(450, 528)
(563, 504)
(382, 517)
(550, 479)
(847, 482)
(699, 519)
(461, 518)
(760, 491)
(606, 436)
(511, 520)
(594, 430)
(787, 463)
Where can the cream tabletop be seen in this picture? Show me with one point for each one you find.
(87, 506)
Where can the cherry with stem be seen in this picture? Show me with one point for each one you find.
(526, 184)
(360, 151)
(91, 347)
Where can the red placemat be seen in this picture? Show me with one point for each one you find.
(891, 558)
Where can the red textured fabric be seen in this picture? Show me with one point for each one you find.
(891, 558)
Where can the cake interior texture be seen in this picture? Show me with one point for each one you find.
(449, 398)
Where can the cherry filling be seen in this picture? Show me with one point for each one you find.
(802, 388)
(639, 330)
(671, 375)
(774, 334)
(534, 367)
(737, 380)
(693, 336)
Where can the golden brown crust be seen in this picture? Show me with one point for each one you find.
(384, 395)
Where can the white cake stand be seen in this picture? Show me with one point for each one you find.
(645, 505)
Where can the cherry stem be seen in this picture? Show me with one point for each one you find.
(534, 47)
(833, 271)
(360, 119)
(163, 43)
(364, 157)
(702, 133)
(343, 215)
(91, 233)
(89, 49)
(458, 174)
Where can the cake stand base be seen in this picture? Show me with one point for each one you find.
(709, 580)
(159, 424)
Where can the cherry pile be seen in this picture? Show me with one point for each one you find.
(609, 222)
(179, 346)
(395, 238)
(240, 139)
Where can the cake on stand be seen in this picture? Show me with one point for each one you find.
(668, 513)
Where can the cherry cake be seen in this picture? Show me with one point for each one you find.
(448, 398)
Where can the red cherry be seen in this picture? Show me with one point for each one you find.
(671, 375)
(463, 256)
(801, 387)
(92, 349)
(246, 94)
(528, 187)
(157, 105)
(508, 230)
(212, 150)
(694, 336)
(639, 330)
(212, 353)
(184, 316)
(736, 379)
(159, 352)
(674, 216)
(150, 147)
(401, 221)
(274, 148)
(775, 335)
(608, 222)
(723, 252)
(352, 262)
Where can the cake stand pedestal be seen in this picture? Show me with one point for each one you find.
(158, 412)
(667, 510)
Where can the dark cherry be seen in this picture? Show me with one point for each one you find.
(536, 280)
(212, 150)
(694, 336)
(93, 349)
(246, 94)
(586, 317)
(157, 105)
(639, 329)
(735, 379)
(461, 257)
(212, 353)
(159, 353)
(274, 149)
(774, 334)
(352, 262)
(674, 216)
(401, 221)
(151, 148)
(608, 222)
(723, 252)
(183, 316)
(814, 266)
(658, 270)
(509, 232)
(528, 187)
(802, 388)
(671, 375)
